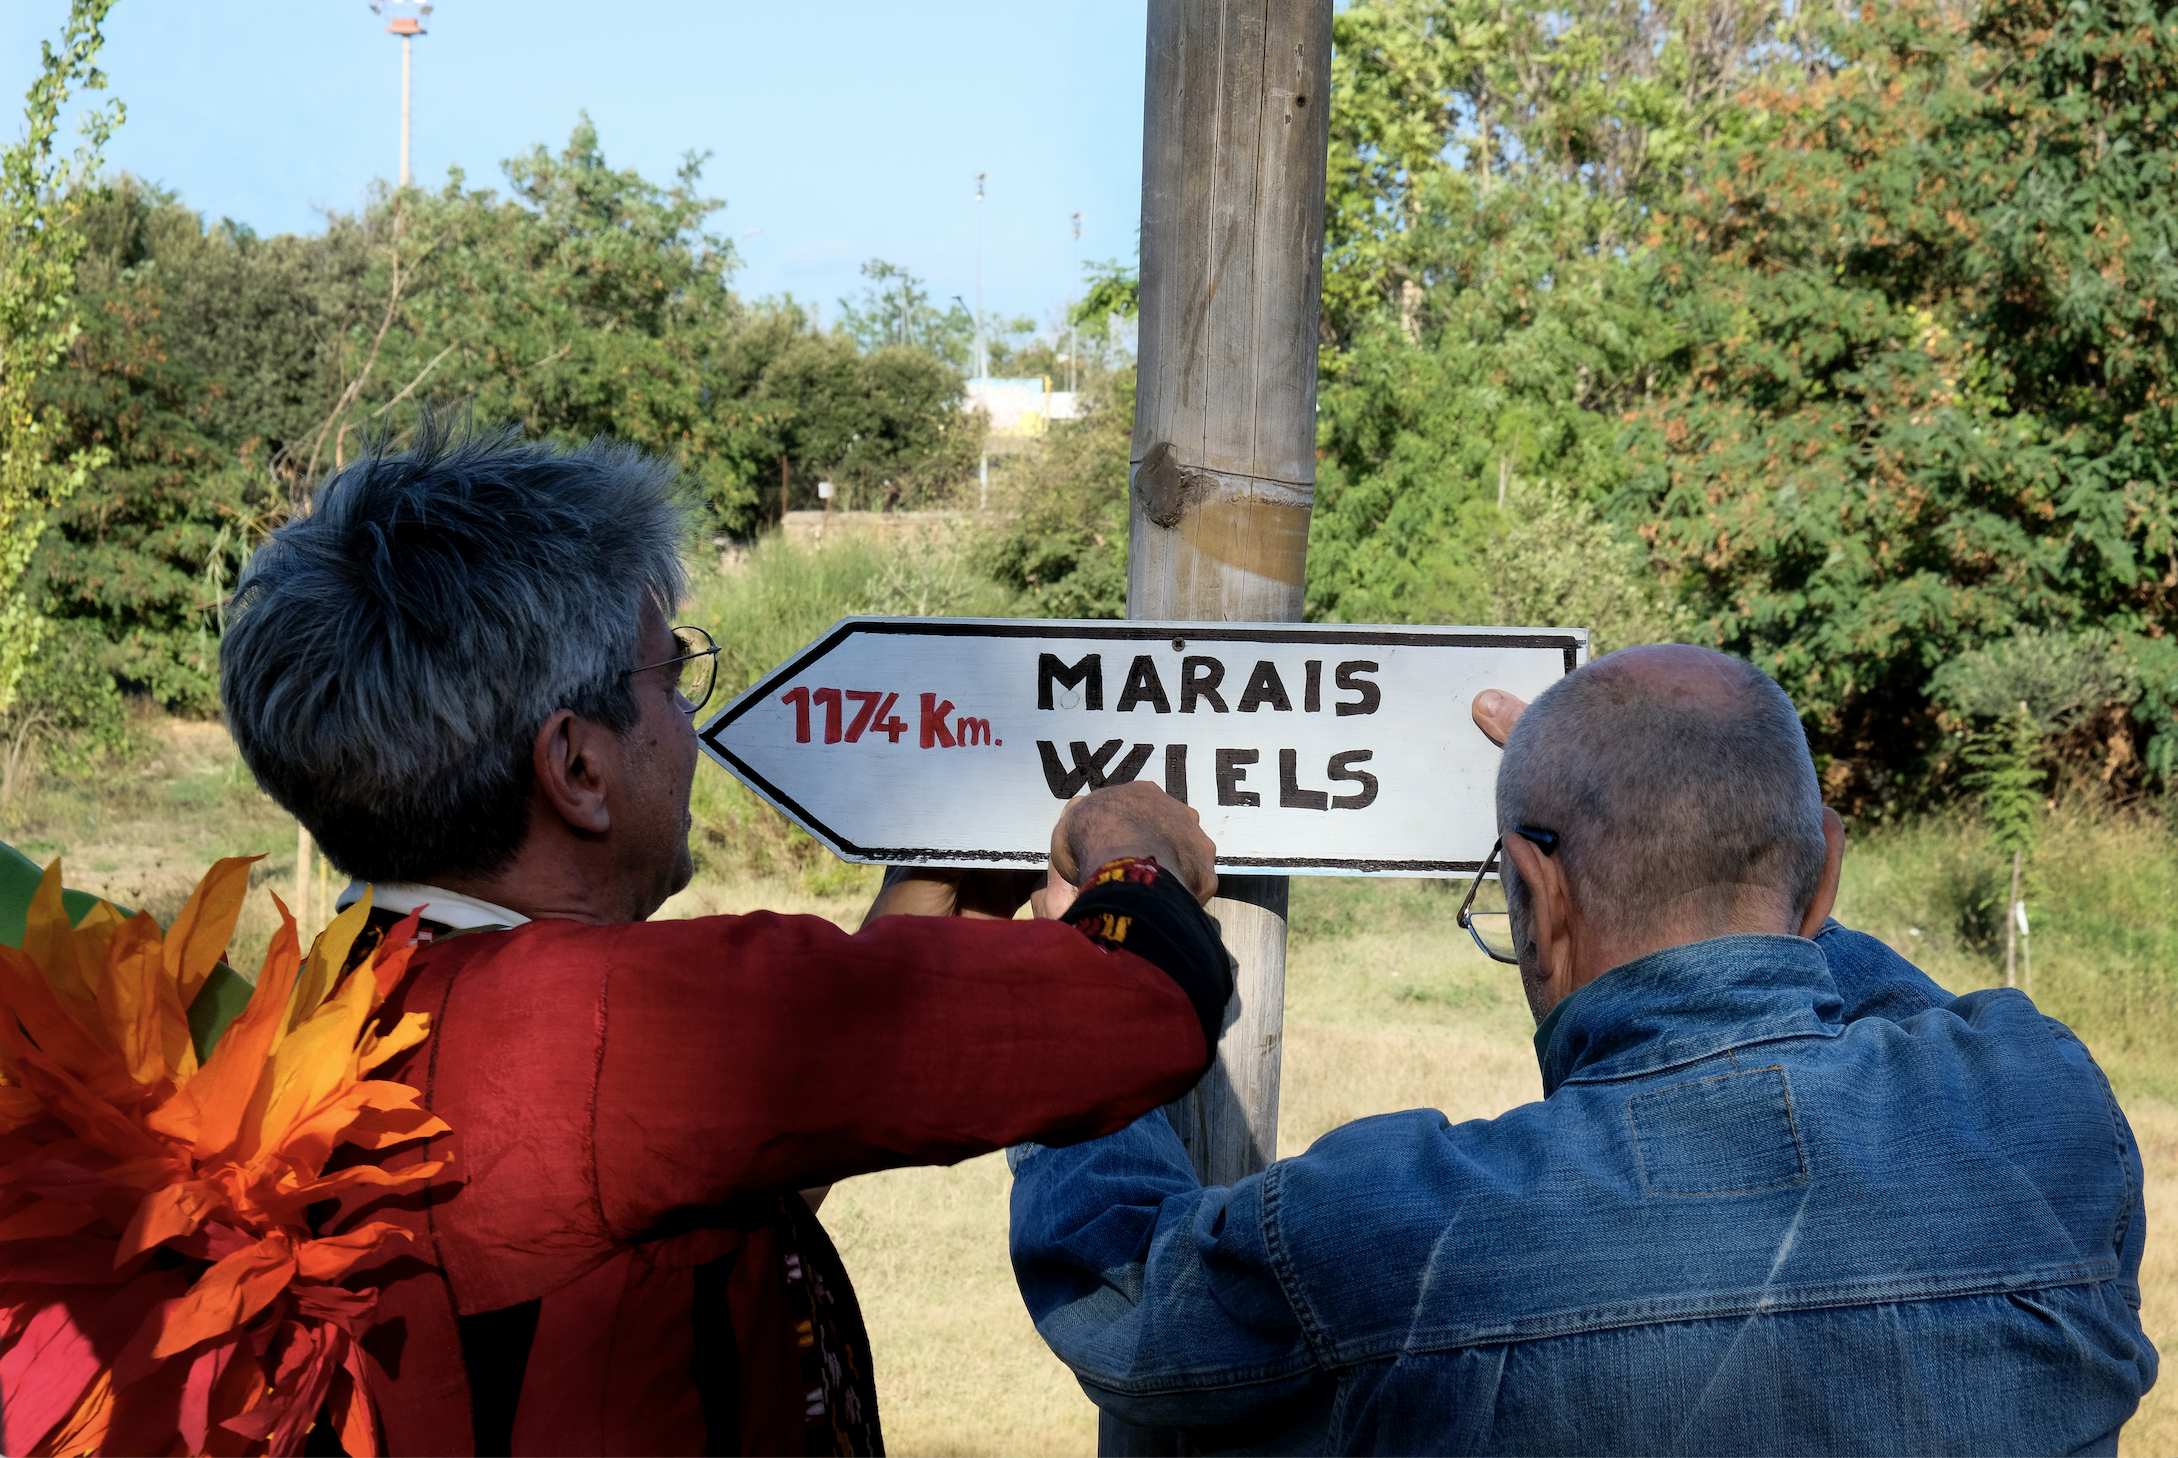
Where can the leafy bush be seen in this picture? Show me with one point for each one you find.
(929, 573)
(2060, 678)
(1064, 545)
(1557, 561)
(67, 714)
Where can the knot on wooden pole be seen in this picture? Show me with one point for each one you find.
(1162, 484)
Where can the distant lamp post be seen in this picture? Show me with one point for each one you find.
(1073, 331)
(405, 19)
(983, 355)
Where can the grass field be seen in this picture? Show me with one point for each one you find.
(1388, 1007)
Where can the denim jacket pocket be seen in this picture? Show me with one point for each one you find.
(1729, 1135)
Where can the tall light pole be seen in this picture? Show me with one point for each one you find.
(983, 353)
(405, 19)
(1073, 330)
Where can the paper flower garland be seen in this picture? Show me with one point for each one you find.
(161, 1289)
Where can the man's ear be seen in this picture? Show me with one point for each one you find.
(572, 759)
(1826, 890)
(1550, 905)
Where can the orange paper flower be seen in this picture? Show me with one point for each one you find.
(161, 1290)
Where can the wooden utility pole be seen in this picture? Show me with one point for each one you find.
(1236, 125)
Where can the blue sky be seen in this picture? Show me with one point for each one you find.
(845, 131)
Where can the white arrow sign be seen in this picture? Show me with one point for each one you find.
(1322, 750)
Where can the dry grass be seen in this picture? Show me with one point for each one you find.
(141, 833)
(1388, 1007)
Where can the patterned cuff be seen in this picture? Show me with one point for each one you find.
(1110, 928)
(1135, 905)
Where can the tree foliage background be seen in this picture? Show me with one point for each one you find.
(39, 245)
(1834, 338)
(1851, 325)
(226, 374)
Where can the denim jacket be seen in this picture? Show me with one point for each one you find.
(1780, 1196)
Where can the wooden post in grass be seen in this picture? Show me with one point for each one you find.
(1235, 129)
(301, 909)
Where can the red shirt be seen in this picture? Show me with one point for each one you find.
(622, 1097)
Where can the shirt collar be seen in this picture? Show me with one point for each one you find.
(449, 909)
(1549, 1025)
(1687, 1003)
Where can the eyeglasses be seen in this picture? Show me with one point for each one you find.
(1484, 913)
(695, 667)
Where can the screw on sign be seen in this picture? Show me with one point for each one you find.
(1324, 749)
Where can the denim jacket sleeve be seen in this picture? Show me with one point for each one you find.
(1162, 1296)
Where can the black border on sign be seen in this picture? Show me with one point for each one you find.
(760, 691)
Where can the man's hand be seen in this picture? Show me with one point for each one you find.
(948, 891)
(1123, 821)
(1496, 712)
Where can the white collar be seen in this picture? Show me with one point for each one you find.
(448, 908)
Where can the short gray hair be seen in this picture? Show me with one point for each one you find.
(1661, 789)
(390, 656)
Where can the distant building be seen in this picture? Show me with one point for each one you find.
(1022, 408)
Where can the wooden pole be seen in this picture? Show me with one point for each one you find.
(406, 40)
(301, 909)
(1236, 125)
(2026, 944)
(2011, 923)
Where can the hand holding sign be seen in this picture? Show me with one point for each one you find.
(1123, 821)
(1105, 825)
(952, 891)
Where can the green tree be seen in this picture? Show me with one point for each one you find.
(227, 374)
(1114, 289)
(202, 354)
(1926, 389)
(38, 249)
(895, 311)
(586, 302)
(1855, 324)
(1485, 307)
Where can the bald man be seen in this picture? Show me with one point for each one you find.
(1783, 1193)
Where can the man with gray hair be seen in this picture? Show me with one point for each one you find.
(1783, 1193)
(457, 672)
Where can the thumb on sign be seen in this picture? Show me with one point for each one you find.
(1495, 712)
